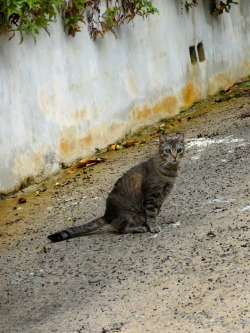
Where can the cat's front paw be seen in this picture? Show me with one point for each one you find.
(154, 228)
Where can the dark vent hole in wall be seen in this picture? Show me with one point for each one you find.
(193, 55)
(201, 53)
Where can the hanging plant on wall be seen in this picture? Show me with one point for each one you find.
(27, 17)
(216, 7)
(223, 6)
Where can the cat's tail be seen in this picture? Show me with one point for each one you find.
(78, 231)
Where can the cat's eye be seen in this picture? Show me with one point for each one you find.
(179, 150)
(167, 150)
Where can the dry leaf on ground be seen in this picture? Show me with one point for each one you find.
(90, 161)
(129, 143)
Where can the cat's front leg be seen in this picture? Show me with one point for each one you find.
(152, 219)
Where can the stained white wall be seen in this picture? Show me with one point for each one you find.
(66, 96)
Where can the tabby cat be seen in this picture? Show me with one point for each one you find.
(136, 199)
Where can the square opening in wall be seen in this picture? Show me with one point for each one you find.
(201, 53)
(193, 56)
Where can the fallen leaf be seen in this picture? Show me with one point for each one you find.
(229, 87)
(113, 147)
(70, 171)
(57, 184)
(211, 234)
(129, 143)
(69, 219)
(45, 249)
(22, 200)
(90, 161)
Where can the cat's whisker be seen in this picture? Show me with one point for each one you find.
(164, 164)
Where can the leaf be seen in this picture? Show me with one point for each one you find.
(113, 147)
(71, 170)
(69, 219)
(211, 234)
(22, 200)
(90, 161)
(45, 249)
(129, 143)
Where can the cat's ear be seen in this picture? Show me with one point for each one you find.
(181, 139)
(162, 139)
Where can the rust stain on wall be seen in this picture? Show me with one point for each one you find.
(64, 147)
(81, 114)
(27, 164)
(218, 81)
(75, 144)
(191, 93)
(167, 105)
(246, 64)
(86, 141)
(143, 113)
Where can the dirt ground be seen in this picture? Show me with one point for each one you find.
(192, 277)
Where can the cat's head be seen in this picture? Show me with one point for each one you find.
(171, 150)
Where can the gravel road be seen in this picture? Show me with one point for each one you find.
(192, 277)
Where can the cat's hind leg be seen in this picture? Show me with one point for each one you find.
(123, 226)
(119, 225)
(136, 230)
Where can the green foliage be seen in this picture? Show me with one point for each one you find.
(27, 16)
(74, 14)
(144, 8)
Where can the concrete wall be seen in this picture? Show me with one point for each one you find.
(66, 96)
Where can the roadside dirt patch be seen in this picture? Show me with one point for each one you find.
(192, 277)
